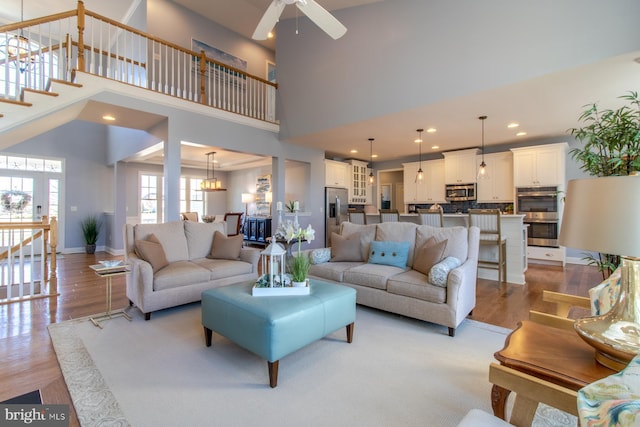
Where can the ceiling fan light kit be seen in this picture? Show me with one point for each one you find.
(316, 13)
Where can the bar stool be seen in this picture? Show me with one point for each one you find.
(389, 215)
(488, 221)
(433, 217)
(358, 218)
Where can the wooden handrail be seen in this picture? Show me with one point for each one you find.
(25, 242)
(37, 21)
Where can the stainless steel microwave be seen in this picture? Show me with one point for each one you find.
(460, 192)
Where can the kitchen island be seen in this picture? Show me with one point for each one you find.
(513, 230)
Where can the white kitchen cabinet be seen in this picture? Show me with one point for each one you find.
(359, 182)
(336, 173)
(460, 166)
(430, 189)
(498, 187)
(539, 165)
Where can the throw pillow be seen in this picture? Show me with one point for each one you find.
(226, 247)
(151, 250)
(319, 256)
(345, 248)
(440, 272)
(429, 255)
(389, 253)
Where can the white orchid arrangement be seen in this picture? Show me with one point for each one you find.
(299, 265)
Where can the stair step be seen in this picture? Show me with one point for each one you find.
(35, 91)
(15, 102)
(63, 82)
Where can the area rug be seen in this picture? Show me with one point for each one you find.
(397, 371)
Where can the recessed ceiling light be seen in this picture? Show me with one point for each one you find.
(375, 156)
(513, 125)
(431, 130)
(435, 147)
(270, 35)
(354, 151)
(108, 117)
(521, 134)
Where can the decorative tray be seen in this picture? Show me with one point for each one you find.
(262, 288)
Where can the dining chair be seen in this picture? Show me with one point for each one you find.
(433, 217)
(358, 218)
(389, 215)
(234, 222)
(488, 221)
(190, 216)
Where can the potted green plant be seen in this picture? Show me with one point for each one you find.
(611, 148)
(299, 264)
(90, 231)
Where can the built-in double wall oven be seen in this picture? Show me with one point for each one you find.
(539, 205)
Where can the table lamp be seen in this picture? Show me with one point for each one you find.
(246, 199)
(603, 215)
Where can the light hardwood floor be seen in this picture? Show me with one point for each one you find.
(28, 361)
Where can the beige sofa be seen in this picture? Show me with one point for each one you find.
(190, 266)
(405, 290)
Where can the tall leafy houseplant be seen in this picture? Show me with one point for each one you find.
(611, 148)
(90, 231)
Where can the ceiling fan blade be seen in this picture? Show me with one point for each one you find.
(322, 18)
(269, 20)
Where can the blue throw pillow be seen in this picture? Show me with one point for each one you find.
(439, 273)
(389, 253)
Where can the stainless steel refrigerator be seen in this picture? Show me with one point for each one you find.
(336, 203)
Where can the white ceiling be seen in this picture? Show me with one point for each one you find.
(545, 107)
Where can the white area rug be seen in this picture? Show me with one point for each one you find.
(397, 372)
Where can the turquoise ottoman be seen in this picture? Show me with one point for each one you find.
(275, 326)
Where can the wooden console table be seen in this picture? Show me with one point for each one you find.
(555, 355)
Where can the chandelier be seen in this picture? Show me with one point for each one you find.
(20, 51)
(211, 183)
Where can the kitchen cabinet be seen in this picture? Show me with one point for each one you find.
(460, 166)
(430, 189)
(358, 183)
(336, 173)
(257, 229)
(539, 165)
(498, 187)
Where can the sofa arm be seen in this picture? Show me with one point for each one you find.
(140, 280)
(250, 255)
(461, 285)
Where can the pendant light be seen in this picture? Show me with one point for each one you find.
(211, 183)
(482, 170)
(371, 160)
(419, 174)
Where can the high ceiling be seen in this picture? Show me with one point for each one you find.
(544, 107)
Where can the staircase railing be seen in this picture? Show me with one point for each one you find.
(27, 271)
(33, 52)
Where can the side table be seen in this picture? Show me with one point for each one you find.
(558, 356)
(109, 274)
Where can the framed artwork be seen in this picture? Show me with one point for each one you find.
(263, 193)
(218, 55)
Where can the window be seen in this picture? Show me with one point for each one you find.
(152, 200)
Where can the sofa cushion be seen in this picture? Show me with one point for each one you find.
(458, 239)
(398, 232)
(226, 247)
(332, 270)
(151, 250)
(428, 255)
(371, 275)
(367, 234)
(439, 272)
(170, 234)
(200, 236)
(414, 284)
(179, 273)
(345, 248)
(389, 253)
(223, 268)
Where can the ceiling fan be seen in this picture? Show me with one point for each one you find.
(319, 15)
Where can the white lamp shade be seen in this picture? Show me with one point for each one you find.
(603, 215)
(247, 197)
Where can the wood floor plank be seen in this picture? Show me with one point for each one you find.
(29, 361)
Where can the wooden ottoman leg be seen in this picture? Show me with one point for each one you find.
(273, 373)
(207, 336)
(350, 332)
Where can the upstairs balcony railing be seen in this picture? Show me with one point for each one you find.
(33, 52)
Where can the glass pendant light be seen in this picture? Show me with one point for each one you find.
(419, 174)
(371, 160)
(482, 170)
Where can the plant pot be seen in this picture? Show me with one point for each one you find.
(91, 249)
(299, 284)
